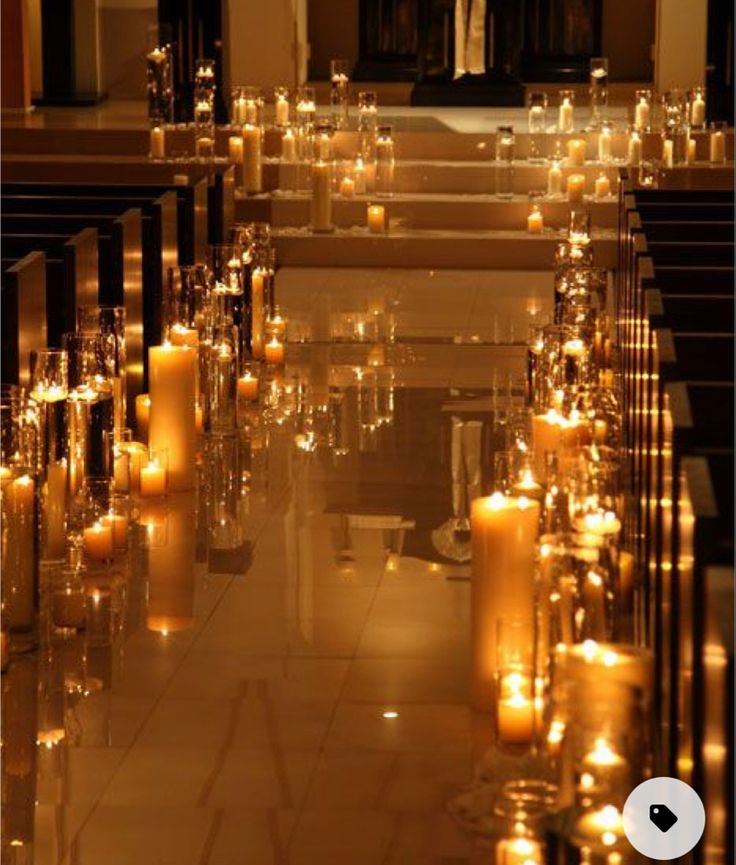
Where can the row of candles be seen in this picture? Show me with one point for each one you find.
(553, 590)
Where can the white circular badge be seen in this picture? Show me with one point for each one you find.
(664, 818)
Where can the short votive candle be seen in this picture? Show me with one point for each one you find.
(376, 219)
(98, 541)
(274, 352)
(153, 479)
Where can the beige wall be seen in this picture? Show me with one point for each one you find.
(331, 35)
(682, 28)
(122, 28)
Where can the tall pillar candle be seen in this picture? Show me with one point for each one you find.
(717, 146)
(172, 378)
(504, 531)
(252, 159)
(634, 154)
(575, 188)
(257, 282)
(19, 553)
(554, 179)
(158, 143)
(54, 514)
(321, 209)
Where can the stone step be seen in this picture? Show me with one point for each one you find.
(425, 211)
(426, 248)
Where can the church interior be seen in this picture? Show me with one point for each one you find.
(367, 432)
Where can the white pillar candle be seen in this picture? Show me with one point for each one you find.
(515, 711)
(376, 219)
(602, 186)
(575, 188)
(321, 203)
(274, 352)
(180, 334)
(19, 552)
(288, 146)
(717, 147)
(257, 282)
(235, 149)
(158, 142)
(566, 116)
(248, 387)
(504, 531)
(252, 159)
(697, 112)
(239, 110)
(554, 179)
(282, 110)
(359, 177)
(55, 509)
(172, 376)
(604, 145)
(642, 114)
(153, 480)
(535, 222)
(98, 541)
(576, 149)
(142, 410)
(634, 155)
(668, 150)
(692, 147)
(553, 433)
(347, 187)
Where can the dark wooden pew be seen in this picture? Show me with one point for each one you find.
(23, 288)
(716, 232)
(706, 253)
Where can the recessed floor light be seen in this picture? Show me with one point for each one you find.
(390, 714)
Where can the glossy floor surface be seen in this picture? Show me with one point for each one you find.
(286, 677)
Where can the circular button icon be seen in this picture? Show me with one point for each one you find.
(664, 818)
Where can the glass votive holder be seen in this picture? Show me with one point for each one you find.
(339, 92)
(281, 107)
(68, 608)
(642, 110)
(306, 106)
(578, 227)
(566, 111)
(122, 438)
(605, 142)
(118, 518)
(323, 141)
(274, 352)
(649, 173)
(697, 112)
(385, 161)
(246, 106)
(346, 181)
(275, 325)
(154, 474)
(598, 88)
(537, 114)
(98, 614)
(515, 721)
(367, 108)
(49, 374)
(97, 541)
(505, 151)
(535, 218)
(718, 130)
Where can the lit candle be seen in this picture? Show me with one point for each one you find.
(153, 480)
(347, 187)
(179, 334)
(274, 352)
(181, 180)
(359, 177)
(252, 159)
(158, 142)
(198, 419)
(142, 411)
(68, 608)
(4, 650)
(668, 152)
(119, 525)
(19, 528)
(692, 147)
(600, 431)
(717, 146)
(257, 283)
(626, 578)
(321, 202)
(137, 453)
(554, 179)
(504, 531)
(98, 542)
(576, 149)
(172, 376)
(519, 851)
(642, 113)
(553, 433)
(697, 111)
(604, 826)
(235, 149)
(55, 509)
(282, 110)
(575, 188)
(603, 761)
(288, 146)
(634, 155)
(248, 387)
(527, 486)
(604, 145)
(594, 601)
(170, 607)
(602, 186)
(598, 523)
(203, 147)
(278, 324)
(376, 219)
(535, 221)
(515, 709)
(566, 119)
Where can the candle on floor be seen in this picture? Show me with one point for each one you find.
(288, 146)
(172, 377)
(376, 219)
(504, 530)
(515, 720)
(321, 201)
(142, 412)
(576, 149)
(604, 826)
(717, 146)
(603, 762)
(158, 143)
(519, 851)
(692, 149)
(602, 186)
(575, 188)
(19, 527)
(634, 154)
(252, 159)
(98, 541)
(153, 479)
(119, 525)
(535, 221)
(68, 607)
(668, 152)
(137, 455)
(257, 319)
(55, 509)
(248, 386)
(554, 179)
(179, 334)
(274, 352)
(359, 177)
(347, 187)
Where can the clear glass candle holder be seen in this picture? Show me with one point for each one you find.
(598, 90)
(187, 304)
(306, 106)
(515, 721)
(368, 109)
(718, 132)
(324, 133)
(159, 78)
(697, 108)
(109, 322)
(339, 92)
(648, 175)
(385, 161)
(19, 558)
(537, 115)
(642, 110)
(605, 142)
(566, 111)
(154, 474)
(204, 78)
(281, 107)
(68, 607)
(505, 148)
(578, 228)
(246, 106)
(99, 615)
(221, 379)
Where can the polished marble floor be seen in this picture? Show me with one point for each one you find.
(286, 680)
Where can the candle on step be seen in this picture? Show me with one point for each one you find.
(172, 377)
(137, 454)
(235, 149)
(181, 180)
(274, 352)
(68, 607)
(575, 188)
(604, 145)
(98, 541)
(692, 148)
(576, 148)
(376, 218)
(248, 387)
(554, 179)
(204, 147)
(282, 110)
(602, 186)
(518, 851)
(19, 528)
(252, 159)
(321, 202)
(566, 116)
(257, 294)
(142, 410)
(642, 114)
(504, 531)
(634, 148)
(697, 111)
(153, 480)
(288, 146)
(668, 152)
(158, 142)
(359, 177)
(535, 221)
(717, 146)
(347, 187)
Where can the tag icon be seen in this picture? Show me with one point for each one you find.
(662, 817)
